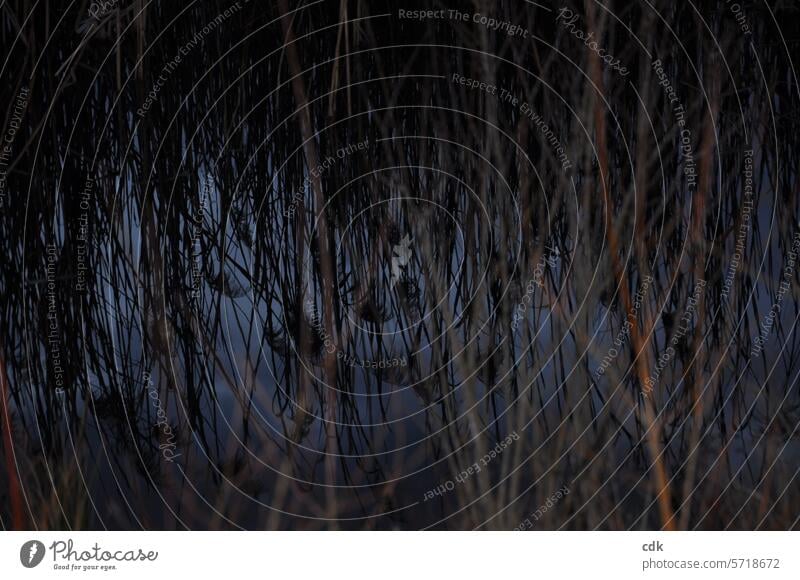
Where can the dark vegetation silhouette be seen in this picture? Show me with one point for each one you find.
(200, 331)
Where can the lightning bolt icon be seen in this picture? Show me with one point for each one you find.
(34, 549)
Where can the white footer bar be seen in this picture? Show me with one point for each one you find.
(401, 555)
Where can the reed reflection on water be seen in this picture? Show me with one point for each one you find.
(322, 281)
